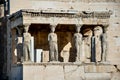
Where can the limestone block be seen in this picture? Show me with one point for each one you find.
(98, 68)
(115, 76)
(45, 56)
(74, 72)
(38, 55)
(32, 72)
(113, 69)
(53, 72)
(97, 76)
(118, 66)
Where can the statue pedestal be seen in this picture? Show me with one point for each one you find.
(62, 71)
(38, 57)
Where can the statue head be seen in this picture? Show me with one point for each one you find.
(52, 29)
(98, 30)
(78, 29)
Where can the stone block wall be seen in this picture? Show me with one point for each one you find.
(65, 71)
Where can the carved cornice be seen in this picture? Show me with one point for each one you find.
(61, 13)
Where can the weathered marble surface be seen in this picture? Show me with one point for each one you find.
(66, 71)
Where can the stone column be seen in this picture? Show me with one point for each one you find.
(26, 43)
(104, 43)
(53, 46)
(78, 43)
(98, 49)
(87, 46)
(32, 48)
(19, 49)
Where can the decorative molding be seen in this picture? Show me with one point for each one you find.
(61, 13)
(27, 16)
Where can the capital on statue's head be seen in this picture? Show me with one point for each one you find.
(52, 27)
(78, 27)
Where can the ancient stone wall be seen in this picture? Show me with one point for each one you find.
(64, 71)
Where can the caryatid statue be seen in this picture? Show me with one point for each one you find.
(87, 46)
(26, 44)
(53, 46)
(19, 45)
(104, 44)
(78, 43)
(98, 46)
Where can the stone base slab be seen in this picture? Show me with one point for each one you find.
(65, 71)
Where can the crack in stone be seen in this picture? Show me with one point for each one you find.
(118, 70)
(69, 73)
(64, 72)
(44, 72)
(73, 70)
